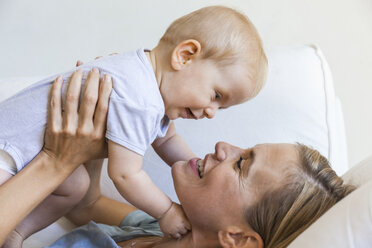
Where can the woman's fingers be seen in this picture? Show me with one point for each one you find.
(100, 114)
(70, 116)
(72, 142)
(55, 105)
(79, 63)
(89, 101)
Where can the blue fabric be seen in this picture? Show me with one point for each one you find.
(93, 235)
(89, 236)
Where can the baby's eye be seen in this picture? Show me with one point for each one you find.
(217, 96)
(239, 163)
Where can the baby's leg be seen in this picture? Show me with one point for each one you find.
(4, 176)
(95, 206)
(62, 200)
(81, 213)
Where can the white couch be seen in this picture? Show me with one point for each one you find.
(296, 105)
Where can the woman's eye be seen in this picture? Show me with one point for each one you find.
(239, 163)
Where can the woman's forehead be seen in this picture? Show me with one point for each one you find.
(273, 157)
(281, 148)
(270, 166)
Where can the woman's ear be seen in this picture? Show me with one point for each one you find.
(235, 237)
(185, 53)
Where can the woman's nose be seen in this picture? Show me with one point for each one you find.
(221, 149)
(225, 150)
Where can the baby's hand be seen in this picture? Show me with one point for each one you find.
(174, 222)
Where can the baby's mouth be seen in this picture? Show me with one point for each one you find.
(190, 113)
(200, 167)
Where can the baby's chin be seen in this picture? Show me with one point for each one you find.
(173, 117)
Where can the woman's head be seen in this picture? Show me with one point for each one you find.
(309, 191)
(257, 196)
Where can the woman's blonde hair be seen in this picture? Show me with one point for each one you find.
(307, 193)
(226, 37)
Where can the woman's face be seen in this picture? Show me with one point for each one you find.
(231, 180)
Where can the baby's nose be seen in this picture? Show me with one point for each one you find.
(210, 112)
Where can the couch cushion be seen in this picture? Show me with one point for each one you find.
(360, 174)
(349, 223)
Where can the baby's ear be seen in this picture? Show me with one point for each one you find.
(235, 237)
(185, 53)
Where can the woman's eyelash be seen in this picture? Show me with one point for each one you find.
(239, 163)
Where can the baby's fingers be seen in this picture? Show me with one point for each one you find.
(187, 226)
(176, 235)
(181, 231)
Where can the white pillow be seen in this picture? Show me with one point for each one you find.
(349, 223)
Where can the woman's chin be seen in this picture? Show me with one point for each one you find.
(181, 177)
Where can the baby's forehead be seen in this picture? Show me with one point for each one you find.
(237, 92)
(252, 73)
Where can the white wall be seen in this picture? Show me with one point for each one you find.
(42, 37)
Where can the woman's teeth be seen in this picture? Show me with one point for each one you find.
(200, 167)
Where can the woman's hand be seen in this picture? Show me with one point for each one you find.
(74, 136)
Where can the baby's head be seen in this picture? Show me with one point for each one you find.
(211, 58)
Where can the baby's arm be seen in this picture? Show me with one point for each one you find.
(172, 148)
(125, 170)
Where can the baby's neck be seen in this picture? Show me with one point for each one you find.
(152, 56)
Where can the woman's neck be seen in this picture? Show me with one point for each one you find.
(188, 241)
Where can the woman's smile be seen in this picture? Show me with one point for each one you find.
(193, 165)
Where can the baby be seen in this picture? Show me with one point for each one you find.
(207, 60)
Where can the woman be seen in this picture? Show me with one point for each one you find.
(258, 197)
(263, 196)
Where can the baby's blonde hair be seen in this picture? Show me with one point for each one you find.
(226, 37)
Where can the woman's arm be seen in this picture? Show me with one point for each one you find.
(72, 137)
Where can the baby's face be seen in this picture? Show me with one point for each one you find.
(201, 88)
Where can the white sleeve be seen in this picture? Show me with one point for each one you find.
(130, 125)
